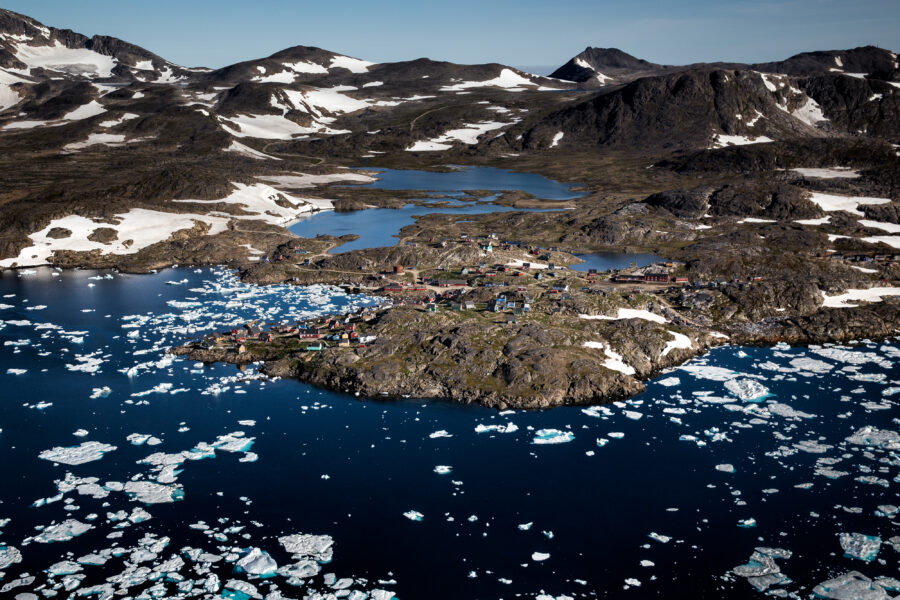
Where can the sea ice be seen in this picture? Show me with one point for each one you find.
(62, 532)
(77, 455)
(257, 563)
(862, 547)
(552, 436)
(747, 390)
(852, 585)
(508, 428)
(302, 545)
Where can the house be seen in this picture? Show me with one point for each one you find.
(682, 280)
(313, 347)
(431, 307)
(628, 278)
(656, 277)
(559, 289)
(453, 283)
(464, 271)
(265, 336)
(469, 305)
(511, 320)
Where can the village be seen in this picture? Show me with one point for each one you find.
(505, 292)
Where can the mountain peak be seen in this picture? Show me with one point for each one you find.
(602, 66)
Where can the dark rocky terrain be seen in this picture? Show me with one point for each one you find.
(745, 174)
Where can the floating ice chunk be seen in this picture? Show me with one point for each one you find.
(725, 468)
(301, 569)
(812, 446)
(762, 571)
(413, 515)
(303, 545)
(876, 438)
(9, 556)
(669, 381)
(77, 455)
(539, 556)
(440, 434)
(62, 532)
(852, 585)
(66, 567)
(552, 436)
(659, 537)
(247, 423)
(443, 470)
(257, 563)
(747, 523)
(16, 371)
(862, 547)
(100, 392)
(508, 428)
(597, 411)
(709, 372)
(747, 390)
(244, 590)
(525, 526)
(633, 415)
(149, 492)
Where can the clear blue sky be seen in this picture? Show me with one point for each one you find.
(515, 32)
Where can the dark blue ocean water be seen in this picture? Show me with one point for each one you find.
(330, 464)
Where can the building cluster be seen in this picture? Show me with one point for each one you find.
(317, 334)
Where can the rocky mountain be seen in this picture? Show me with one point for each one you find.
(126, 130)
(30, 51)
(857, 62)
(599, 67)
(714, 107)
(596, 67)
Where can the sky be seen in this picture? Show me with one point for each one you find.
(519, 33)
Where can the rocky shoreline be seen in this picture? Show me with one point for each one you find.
(589, 345)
